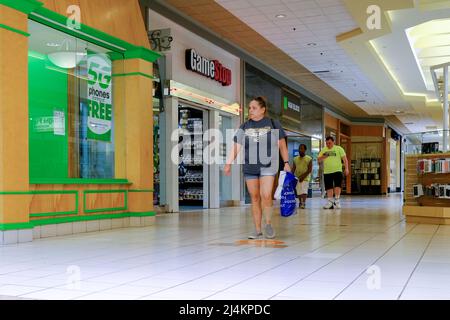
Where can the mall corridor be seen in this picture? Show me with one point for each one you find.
(365, 250)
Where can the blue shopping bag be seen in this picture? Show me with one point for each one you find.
(287, 200)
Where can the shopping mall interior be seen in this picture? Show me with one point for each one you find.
(118, 120)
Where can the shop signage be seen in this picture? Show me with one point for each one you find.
(291, 106)
(55, 124)
(212, 69)
(99, 97)
(59, 123)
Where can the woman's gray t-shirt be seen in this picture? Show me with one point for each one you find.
(256, 137)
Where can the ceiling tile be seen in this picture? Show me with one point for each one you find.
(308, 13)
(333, 10)
(329, 3)
(301, 5)
(259, 3)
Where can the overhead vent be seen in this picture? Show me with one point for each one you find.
(359, 101)
(321, 71)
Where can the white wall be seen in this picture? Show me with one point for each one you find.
(184, 39)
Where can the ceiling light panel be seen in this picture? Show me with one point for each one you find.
(314, 22)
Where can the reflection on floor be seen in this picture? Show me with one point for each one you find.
(363, 251)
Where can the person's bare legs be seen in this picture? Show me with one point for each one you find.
(254, 191)
(303, 198)
(330, 193)
(337, 192)
(266, 187)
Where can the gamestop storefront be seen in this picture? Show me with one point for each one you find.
(201, 104)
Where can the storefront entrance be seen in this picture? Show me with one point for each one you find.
(192, 170)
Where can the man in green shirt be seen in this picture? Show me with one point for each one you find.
(333, 156)
(302, 169)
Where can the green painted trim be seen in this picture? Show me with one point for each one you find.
(133, 74)
(25, 6)
(100, 38)
(113, 55)
(141, 190)
(57, 213)
(125, 207)
(45, 214)
(37, 192)
(15, 226)
(42, 222)
(142, 214)
(23, 33)
(79, 181)
(51, 214)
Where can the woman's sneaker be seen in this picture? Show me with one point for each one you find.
(329, 205)
(269, 232)
(255, 235)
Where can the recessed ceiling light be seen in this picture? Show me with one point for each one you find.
(52, 44)
(398, 111)
(280, 16)
(311, 44)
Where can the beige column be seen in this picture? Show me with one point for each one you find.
(13, 116)
(137, 126)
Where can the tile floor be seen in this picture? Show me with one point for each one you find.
(366, 250)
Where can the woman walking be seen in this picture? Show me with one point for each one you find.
(256, 136)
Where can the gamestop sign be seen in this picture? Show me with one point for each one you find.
(212, 69)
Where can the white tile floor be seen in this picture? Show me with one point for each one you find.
(194, 255)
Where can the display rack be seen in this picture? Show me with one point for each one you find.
(156, 163)
(366, 176)
(427, 188)
(191, 166)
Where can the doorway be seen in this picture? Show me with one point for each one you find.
(192, 170)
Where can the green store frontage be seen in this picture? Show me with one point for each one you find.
(76, 119)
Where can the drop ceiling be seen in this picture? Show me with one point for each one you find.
(326, 47)
(307, 32)
(214, 17)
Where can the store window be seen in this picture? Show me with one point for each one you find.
(72, 106)
(366, 165)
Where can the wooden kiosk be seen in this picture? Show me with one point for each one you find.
(431, 207)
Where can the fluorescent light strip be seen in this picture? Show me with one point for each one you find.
(223, 106)
(411, 45)
(412, 94)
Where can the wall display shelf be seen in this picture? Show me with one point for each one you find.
(366, 176)
(190, 177)
(427, 188)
